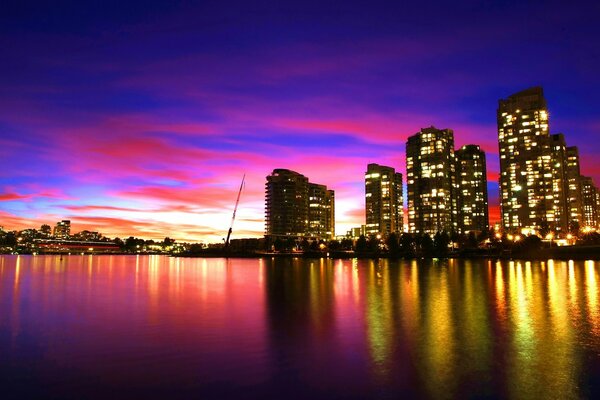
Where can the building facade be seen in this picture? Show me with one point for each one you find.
(321, 212)
(384, 201)
(574, 203)
(560, 183)
(62, 229)
(541, 186)
(431, 181)
(296, 208)
(589, 197)
(526, 179)
(471, 173)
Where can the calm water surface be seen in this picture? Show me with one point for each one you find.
(156, 327)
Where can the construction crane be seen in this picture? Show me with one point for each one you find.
(234, 211)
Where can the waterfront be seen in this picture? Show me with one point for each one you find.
(154, 326)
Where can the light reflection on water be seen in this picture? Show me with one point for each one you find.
(124, 326)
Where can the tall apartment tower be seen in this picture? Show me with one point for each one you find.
(560, 184)
(286, 204)
(431, 181)
(62, 229)
(574, 202)
(589, 200)
(472, 189)
(296, 208)
(383, 200)
(321, 212)
(526, 179)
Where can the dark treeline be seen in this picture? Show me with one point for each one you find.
(442, 244)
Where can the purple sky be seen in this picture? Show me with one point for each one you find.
(142, 119)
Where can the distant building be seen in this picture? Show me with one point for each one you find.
(296, 208)
(88, 235)
(383, 200)
(431, 181)
(357, 232)
(62, 229)
(574, 202)
(321, 212)
(472, 189)
(560, 183)
(590, 196)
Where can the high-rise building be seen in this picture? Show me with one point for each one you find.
(589, 197)
(560, 183)
(431, 181)
(574, 205)
(321, 212)
(472, 189)
(286, 208)
(526, 179)
(296, 208)
(62, 229)
(383, 200)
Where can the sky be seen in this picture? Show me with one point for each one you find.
(140, 118)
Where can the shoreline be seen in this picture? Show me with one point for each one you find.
(589, 252)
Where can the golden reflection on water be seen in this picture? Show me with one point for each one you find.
(591, 286)
(439, 346)
(500, 294)
(379, 318)
(475, 326)
(409, 302)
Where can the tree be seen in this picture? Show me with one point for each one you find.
(361, 244)
(290, 243)
(305, 245)
(407, 244)
(392, 243)
(529, 245)
(196, 248)
(574, 228)
(373, 244)
(119, 243)
(424, 244)
(544, 228)
(346, 244)
(472, 241)
(46, 230)
(440, 243)
(334, 245)
(314, 246)
(9, 239)
(278, 244)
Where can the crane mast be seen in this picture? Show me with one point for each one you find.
(234, 211)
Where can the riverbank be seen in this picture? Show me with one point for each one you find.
(577, 252)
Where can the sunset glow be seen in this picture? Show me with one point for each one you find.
(142, 120)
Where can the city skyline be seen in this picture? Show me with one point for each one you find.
(141, 121)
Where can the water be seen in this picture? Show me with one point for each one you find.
(156, 327)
